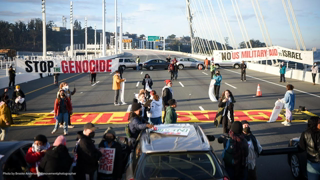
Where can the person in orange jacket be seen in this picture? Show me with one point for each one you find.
(116, 86)
(206, 63)
(37, 152)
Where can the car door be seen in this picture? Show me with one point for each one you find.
(162, 63)
(193, 62)
(187, 62)
(127, 63)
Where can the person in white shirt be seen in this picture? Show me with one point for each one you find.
(314, 71)
(155, 110)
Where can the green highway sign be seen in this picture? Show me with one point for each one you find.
(153, 38)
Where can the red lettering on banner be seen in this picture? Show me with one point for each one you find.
(258, 54)
(102, 65)
(85, 66)
(78, 118)
(235, 55)
(71, 66)
(91, 65)
(260, 115)
(264, 53)
(120, 119)
(201, 116)
(78, 66)
(241, 116)
(104, 118)
(183, 116)
(108, 65)
(64, 66)
(273, 52)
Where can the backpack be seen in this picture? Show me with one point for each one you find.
(127, 130)
(227, 154)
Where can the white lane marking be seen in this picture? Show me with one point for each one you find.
(129, 108)
(205, 73)
(275, 84)
(181, 84)
(98, 81)
(137, 83)
(52, 111)
(94, 84)
(201, 108)
(141, 72)
(81, 92)
(230, 85)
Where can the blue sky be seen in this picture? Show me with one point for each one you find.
(165, 17)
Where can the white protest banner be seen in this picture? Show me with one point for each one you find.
(171, 130)
(265, 53)
(276, 111)
(106, 162)
(67, 66)
(210, 92)
(122, 85)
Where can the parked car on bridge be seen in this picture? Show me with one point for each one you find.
(234, 64)
(189, 63)
(156, 64)
(169, 156)
(128, 63)
(297, 161)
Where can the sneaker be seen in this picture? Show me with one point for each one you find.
(117, 104)
(61, 126)
(71, 126)
(288, 124)
(65, 133)
(123, 103)
(54, 131)
(284, 122)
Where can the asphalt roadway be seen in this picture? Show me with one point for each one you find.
(191, 93)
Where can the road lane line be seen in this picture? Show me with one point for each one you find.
(137, 83)
(50, 84)
(129, 108)
(94, 84)
(141, 72)
(205, 73)
(181, 84)
(230, 85)
(275, 84)
(98, 81)
(201, 108)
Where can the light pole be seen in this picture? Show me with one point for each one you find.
(86, 36)
(164, 43)
(116, 33)
(104, 28)
(44, 29)
(120, 43)
(95, 41)
(71, 28)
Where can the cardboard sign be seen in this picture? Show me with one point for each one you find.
(107, 160)
(171, 131)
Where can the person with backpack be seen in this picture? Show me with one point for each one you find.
(109, 142)
(168, 59)
(235, 152)
(167, 94)
(171, 70)
(254, 148)
(147, 85)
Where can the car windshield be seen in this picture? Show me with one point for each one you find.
(182, 166)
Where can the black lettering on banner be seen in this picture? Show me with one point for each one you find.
(223, 56)
(29, 67)
(36, 66)
(229, 56)
(50, 65)
(289, 54)
(43, 66)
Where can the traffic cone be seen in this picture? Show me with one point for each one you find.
(259, 93)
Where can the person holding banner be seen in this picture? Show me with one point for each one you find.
(282, 72)
(18, 97)
(62, 110)
(110, 164)
(218, 79)
(116, 86)
(212, 68)
(289, 101)
(147, 85)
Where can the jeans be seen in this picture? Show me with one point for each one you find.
(282, 76)
(243, 75)
(3, 133)
(137, 67)
(314, 77)
(116, 96)
(176, 75)
(313, 170)
(93, 78)
(62, 117)
(216, 91)
(155, 121)
(11, 82)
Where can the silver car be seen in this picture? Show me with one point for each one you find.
(128, 63)
(234, 64)
(189, 63)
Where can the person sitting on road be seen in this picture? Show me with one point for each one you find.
(109, 141)
(56, 159)
(147, 85)
(171, 115)
(155, 110)
(5, 120)
(136, 123)
(62, 109)
(235, 152)
(86, 154)
(217, 84)
(254, 150)
(19, 98)
(310, 142)
(37, 152)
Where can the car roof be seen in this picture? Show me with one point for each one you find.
(9, 146)
(195, 141)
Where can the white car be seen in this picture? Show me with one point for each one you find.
(189, 63)
(128, 63)
(234, 64)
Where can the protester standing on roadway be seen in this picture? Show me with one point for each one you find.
(68, 94)
(5, 119)
(142, 102)
(314, 71)
(18, 94)
(310, 142)
(93, 75)
(254, 150)
(147, 85)
(171, 70)
(56, 78)
(109, 141)
(56, 160)
(218, 78)
(243, 68)
(175, 69)
(167, 94)
(235, 152)
(282, 72)
(120, 69)
(171, 115)
(138, 63)
(116, 86)
(62, 109)
(136, 123)
(36, 152)
(155, 110)
(206, 63)
(168, 59)
(225, 111)
(86, 154)
(212, 68)
(12, 77)
(289, 101)
(5, 96)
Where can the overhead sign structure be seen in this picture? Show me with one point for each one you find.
(153, 38)
(127, 40)
(266, 53)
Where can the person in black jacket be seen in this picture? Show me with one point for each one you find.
(176, 69)
(12, 77)
(19, 93)
(87, 155)
(5, 96)
(225, 112)
(243, 68)
(56, 159)
(147, 85)
(120, 69)
(108, 141)
(167, 94)
(310, 142)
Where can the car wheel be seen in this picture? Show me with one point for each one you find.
(236, 66)
(295, 166)
(151, 68)
(217, 66)
(181, 66)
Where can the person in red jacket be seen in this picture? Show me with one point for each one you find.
(62, 109)
(36, 152)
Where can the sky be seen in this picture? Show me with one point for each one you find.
(166, 17)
